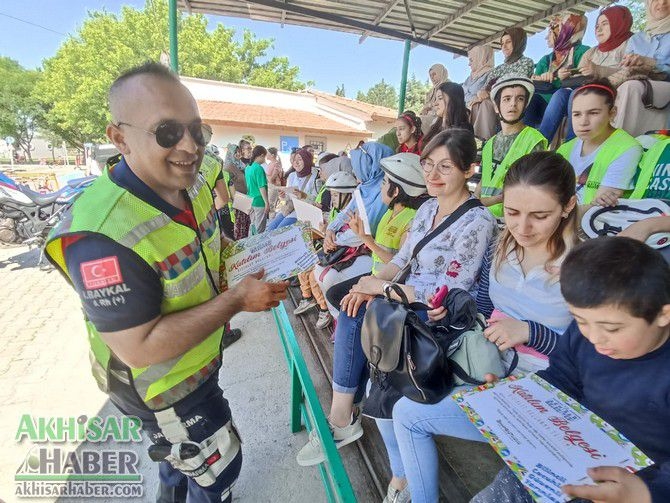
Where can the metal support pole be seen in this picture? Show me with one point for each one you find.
(403, 82)
(174, 57)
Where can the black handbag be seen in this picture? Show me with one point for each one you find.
(399, 344)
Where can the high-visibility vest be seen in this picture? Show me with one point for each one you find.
(210, 168)
(389, 233)
(648, 163)
(492, 183)
(618, 143)
(186, 260)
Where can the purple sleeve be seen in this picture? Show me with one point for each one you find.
(117, 288)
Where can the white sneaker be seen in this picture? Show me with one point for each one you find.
(395, 496)
(305, 305)
(312, 453)
(324, 319)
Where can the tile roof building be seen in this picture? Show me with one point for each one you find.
(284, 118)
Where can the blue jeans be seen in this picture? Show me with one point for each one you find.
(559, 106)
(534, 111)
(280, 221)
(415, 424)
(349, 362)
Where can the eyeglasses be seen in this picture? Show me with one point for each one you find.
(170, 132)
(444, 167)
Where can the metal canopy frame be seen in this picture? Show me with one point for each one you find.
(451, 25)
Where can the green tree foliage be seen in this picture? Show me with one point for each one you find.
(75, 81)
(415, 95)
(381, 93)
(639, 12)
(339, 91)
(20, 112)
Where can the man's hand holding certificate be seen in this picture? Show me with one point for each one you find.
(282, 253)
(548, 439)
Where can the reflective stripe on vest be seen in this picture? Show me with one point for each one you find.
(319, 196)
(389, 233)
(647, 166)
(187, 263)
(613, 147)
(492, 183)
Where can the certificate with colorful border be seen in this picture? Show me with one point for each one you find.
(545, 437)
(283, 253)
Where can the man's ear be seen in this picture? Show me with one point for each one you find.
(663, 319)
(117, 137)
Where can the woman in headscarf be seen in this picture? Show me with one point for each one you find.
(603, 61)
(480, 60)
(303, 183)
(643, 105)
(365, 162)
(234, 165)
(564, 36)
(438, 75)
(512, 44)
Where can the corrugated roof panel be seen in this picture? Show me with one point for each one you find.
(467, 23)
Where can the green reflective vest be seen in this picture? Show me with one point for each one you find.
(210, 168)
(654, 159)
(492, 183)
(389, 233)
(186, 261)
(612, 148)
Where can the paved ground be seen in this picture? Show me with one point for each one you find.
(44, 372)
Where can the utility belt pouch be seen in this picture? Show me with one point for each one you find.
(204, 461)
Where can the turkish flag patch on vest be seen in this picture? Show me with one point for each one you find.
(101, 273)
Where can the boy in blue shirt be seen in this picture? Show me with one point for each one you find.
(613, 359)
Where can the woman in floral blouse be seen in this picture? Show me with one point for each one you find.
(453, 258)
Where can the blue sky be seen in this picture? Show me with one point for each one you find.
(325, 57)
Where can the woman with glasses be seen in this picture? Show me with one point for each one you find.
(452, 258)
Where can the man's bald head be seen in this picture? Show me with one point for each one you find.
(121, 92)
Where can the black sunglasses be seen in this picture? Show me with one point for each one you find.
(170, 132)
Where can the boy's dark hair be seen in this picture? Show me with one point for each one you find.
(616, 271)
(272, 150)
(403, 198)
(600, 87)
(258, 150)
(460, 144)
(148, 68)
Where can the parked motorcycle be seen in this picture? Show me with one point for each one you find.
(26, 216)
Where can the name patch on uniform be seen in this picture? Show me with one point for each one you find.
(101, 273)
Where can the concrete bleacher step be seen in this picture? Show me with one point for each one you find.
(465, 466)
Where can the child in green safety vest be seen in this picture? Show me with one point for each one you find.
(403, 191)
(340, 186)
(605, 159)
(510, 97)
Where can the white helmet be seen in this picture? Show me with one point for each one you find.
(342, 181)
(524, 82)
(405, 170)
(610, 221)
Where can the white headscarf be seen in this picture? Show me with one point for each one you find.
(656, 26)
